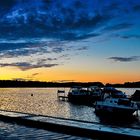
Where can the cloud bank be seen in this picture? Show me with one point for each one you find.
(125, 59)
(33, 30)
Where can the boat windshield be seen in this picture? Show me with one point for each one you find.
(124, 102)
(114, 92)
(79, 91)
(118, 94)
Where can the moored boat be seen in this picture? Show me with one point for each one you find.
(84, 95)
(116, 106)
(116, 103)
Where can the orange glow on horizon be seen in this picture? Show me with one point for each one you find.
(60, 74)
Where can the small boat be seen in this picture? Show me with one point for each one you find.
(84, 95)
(115, 103)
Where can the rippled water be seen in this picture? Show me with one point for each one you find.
(45, 102)
(16, 132)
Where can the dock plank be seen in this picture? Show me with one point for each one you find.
(86, 129)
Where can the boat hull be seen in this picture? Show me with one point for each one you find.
(83, 99)
(114, 110)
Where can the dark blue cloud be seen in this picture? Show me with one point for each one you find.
(82, 48)
(57, 49)
(25, 23)
(137, 8)
(125, 59)
(119, 26)
(7, 3)
(11, 46)
(26, 65)
(11, 49)
(61, 19)
(128, 36)
(5, 6)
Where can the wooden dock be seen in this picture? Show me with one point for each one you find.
(61, 95)
(63, 98)
(73, 127)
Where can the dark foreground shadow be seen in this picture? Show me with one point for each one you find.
(119, 120)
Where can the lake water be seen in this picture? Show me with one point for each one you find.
(10, 131)
(45, 102)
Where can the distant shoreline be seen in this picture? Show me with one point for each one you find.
(38, 84)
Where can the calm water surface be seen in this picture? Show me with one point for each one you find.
(45, 102)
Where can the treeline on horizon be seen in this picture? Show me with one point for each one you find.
(16, 83)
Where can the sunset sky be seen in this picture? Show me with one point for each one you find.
(70, 40)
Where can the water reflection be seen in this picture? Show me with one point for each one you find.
(129, 121)
(10, 131)
(44, 101)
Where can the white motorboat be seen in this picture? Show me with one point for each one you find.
(116, 103)
(116, 106)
